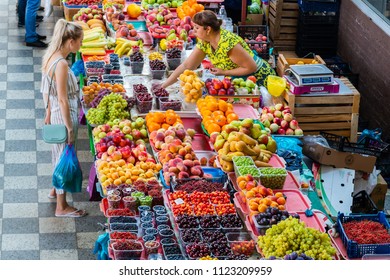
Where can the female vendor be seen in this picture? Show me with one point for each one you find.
(227, 51)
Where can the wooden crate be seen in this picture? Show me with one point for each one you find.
(284, 62)
(333, 113)
(283, 23)
(71, 10)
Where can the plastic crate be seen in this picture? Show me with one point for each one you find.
(368, 146)
(363, 204)
(250, 32)
(355, 250)
(329, 6)
(321, 20)
(302, 50)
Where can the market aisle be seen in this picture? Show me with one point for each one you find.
(28, 228)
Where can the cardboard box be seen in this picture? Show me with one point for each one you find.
(328, 156)
(378, 194)
(255, 19)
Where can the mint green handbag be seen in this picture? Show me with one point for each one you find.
(53, 133)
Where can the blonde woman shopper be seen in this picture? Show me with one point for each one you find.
(63, 98)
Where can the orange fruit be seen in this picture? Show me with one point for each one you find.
(262, 208)
(153, 126)
(212, 106)
(165, 126)
(231, 117)
(222, 105)
(281, 207)
(170, 118)
(216, 113)
(279, 194)
(205, 112)
(220, 120)
(213, 127)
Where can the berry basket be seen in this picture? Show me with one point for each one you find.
(355, 250)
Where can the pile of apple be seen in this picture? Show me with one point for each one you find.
(217, 87)
(127, 31)
(245, 87)
(182, 169)
(133, 131)
(85, 14)
(117, 18)
(162, 139)
(160, 16)
(279, 120)
(146, 4)
(259, 44)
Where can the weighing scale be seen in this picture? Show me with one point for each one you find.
(310, 74)
(294, 88)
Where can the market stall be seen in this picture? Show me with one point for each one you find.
(193, 171)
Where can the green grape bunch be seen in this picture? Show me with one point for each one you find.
(112, 106)
(292, 235)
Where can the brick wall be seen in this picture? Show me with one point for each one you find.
(367, 48)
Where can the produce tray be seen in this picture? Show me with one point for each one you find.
(355, 250)
(200, 142)
(104, 206)
(217, 176)
(106, 58)
(192, 122)
(312, 222)
(295, 201)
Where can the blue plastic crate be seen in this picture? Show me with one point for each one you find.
(355, 250)
(218, 176)
(328, 6)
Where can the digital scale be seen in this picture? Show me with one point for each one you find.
(310, 74)
(294, 88)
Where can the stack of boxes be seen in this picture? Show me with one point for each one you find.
(318, 24)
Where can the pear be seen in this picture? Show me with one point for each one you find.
(271, 146)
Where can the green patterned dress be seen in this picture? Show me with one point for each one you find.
(220, 58)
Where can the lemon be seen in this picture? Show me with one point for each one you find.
(163, 44)
(300, 62)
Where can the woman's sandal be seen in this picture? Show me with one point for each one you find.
(75, 214)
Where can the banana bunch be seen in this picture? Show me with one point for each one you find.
(124, 46)
(155, 55)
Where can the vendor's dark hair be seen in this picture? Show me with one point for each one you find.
(207, 18)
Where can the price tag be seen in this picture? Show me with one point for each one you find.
(110, 192)
(179, 201)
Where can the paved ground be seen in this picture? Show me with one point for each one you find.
(28, 228)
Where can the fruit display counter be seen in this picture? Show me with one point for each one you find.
(183, 172)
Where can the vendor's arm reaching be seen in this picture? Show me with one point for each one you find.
(191, 63)
(246, 63)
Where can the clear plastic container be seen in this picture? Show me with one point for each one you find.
(151, 231)
(173, 104)
(144, 106)
(123, 219)
(167, 241)
(145, 226)
(162, 220)
(127, 192)
(241, 243)
(158, 74)
(147, 219)
(133, 254)
(130, 202)
(137, 67)
(113, 201)
(273, 181)
(261, 229)
(149, 237)
(124, 226)
(159, 208)
(161, 227)
(143, 208)
(107, 68)
(190, 236)
(173, 63)
(151, 247)
(171, 250)
(166, 233)
(176, 257)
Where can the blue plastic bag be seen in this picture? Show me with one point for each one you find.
(67, 175)
(78, 68)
